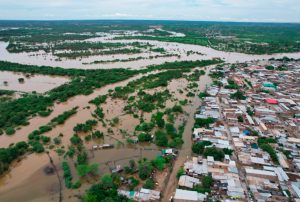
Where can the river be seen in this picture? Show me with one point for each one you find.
(47, 59)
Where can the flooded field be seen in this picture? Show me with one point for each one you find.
(45, 186)
(148, 58)
(38, 83)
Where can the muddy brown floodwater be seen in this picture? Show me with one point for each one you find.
(29, 171)
(185, 152)
(38, 83)
(42, 58)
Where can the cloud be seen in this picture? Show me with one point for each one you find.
(224, 10)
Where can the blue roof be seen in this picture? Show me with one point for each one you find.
(254, 146)
(246, 132)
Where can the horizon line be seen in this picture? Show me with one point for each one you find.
(174, 20)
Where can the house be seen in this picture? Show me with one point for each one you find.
(187, 181)
(188, 196)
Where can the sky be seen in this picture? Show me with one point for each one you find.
(203, 10)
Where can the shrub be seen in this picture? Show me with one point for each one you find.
(10, 131)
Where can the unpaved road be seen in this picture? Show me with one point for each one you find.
(186, 150)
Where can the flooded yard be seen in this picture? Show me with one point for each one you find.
(29, 83)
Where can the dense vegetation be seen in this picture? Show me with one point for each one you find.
(7, 155)
(264, 144)
(16, 112)
(257, 38)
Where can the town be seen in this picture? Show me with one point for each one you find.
(246, 137)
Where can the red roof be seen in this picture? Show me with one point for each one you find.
(271, 101)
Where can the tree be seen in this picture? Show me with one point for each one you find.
(203, 94)
(75, 139)
(57, 140)
(37, 147)
(240, 119)
(161, 138)
(107, 181)
(270, 67)
(97, 134)
(159, 163)
(82, 157)
(10, 131)
(21, 80)
(171, 130)
(149, 184)
(199, 123)
(145, 169)
(45, 139)
(115, 120)
(249, 111)
(180, 172)
(207, 181)
(158, 119)
(198, 147)
(144, 137)
(238, 95)
(212, 151)
(132, 164)
(228, 151)
(98, 192)
(67, 174)
(177, 109)
(84, 169)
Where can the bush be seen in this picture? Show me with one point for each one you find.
(10, 131)
(57, 140)
(145, 169)
(228, 151)
(268, 148)
(198, 148)
(44, 113)
(171, 130)
(199, 123)
(240, 119)
(238, 95)
(159, 163)
(177, 109)
(75, 139)
(158, 118)
(67, 174)
(97, 134)
(76, 185)
(149, 184)
(180, 172)
(37, 147)
(161, 139)
(144, 137)
(212, 151)
(133, 183)
(45, 139)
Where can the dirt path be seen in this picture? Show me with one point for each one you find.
(185, 152)
(58, 177)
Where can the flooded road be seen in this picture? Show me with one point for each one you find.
(185, 152)
(38, 83)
